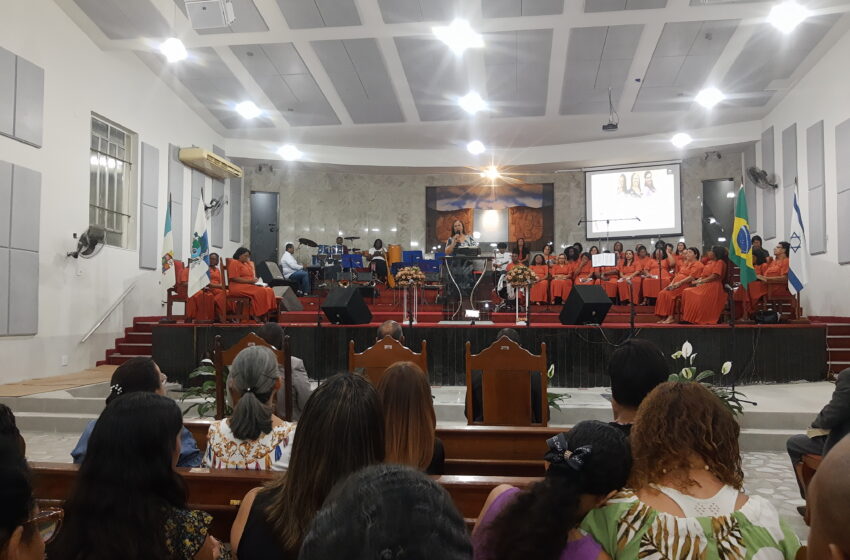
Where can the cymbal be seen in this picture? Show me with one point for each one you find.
(307, 242)
(352, 237)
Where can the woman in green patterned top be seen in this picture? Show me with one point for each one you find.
(686, 499)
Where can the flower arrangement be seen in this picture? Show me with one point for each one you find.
(688, 374)
(521, 276)
(410, 276)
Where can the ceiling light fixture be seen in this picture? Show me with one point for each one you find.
(730, 195)
(173, 50)
(709, 97)
(459, 36)
(681, 140)
(475, 147)
(472, 103)
(787, 16)
(289, 152)
(248, 110)
(491, 172)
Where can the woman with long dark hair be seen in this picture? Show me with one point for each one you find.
(242, 281)
(128, 502)
(586, 465)
(688, 270)
(377, 256)
(657, 275)
(703, 303)
(522, 251)
(618, 250)
(340, 431)
(562, 282)
(459, 239)
(572, 254)
(630, 271)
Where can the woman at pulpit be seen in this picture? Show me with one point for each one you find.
(460, 268)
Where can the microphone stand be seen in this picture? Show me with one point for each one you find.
(631, 309)
(731, 299)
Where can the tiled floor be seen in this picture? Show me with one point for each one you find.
(766, 474)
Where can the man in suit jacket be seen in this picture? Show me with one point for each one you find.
(833, 420)
(301, 389)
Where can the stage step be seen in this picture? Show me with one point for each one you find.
(118, 359)
(135, 348)
(838, 329)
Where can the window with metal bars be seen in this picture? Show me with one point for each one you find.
(111, 180)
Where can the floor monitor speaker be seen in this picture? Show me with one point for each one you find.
(288, 300)
(345, 306)
(585, 304)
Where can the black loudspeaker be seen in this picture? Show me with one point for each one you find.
(345, 306)
(585, 304)
(288, 300)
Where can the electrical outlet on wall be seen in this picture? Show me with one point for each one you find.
(64, 360)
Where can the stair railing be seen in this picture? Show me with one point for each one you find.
(109, 311)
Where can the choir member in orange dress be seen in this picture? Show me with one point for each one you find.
(618, 250)
(583, 274)
(641, 255)
(208, 304)
(630, 269)
(562, 282)
(608, 277)
(540, 289)
(656, 276)
(243, 282)
(686, 272)
(775, 272)
(703, 303)
(547, 254)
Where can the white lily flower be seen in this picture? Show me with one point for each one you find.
(687, 349)
(693, 357)
(726, 368)
(686, 373)
(676, 355)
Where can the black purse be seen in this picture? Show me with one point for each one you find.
(767, 317)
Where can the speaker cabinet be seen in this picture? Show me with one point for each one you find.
(345, 306)
(585, 304)
(288, 300)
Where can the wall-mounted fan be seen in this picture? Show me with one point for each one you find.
(89, 243)
(760, 178)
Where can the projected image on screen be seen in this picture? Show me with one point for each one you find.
(633, 202)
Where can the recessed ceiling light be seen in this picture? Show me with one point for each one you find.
(787, 15)
(709, 97)
(721, 240)
(248, 110)
(472, 103)
(475, 147)
(173, 50)
(459, 36)
(491, 172)
(730, 195)
(289, 152)
(681, 140)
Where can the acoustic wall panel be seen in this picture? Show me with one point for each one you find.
(235, 210)
(769, 198)
(149, 211)
(844, 227)
(789, 172)
(177, 229)
(23, 292)
(7, 92)
(5, 202)
(175, 174)
(816, 230)
(4, 291)
(217, 221)
(26, 208)
(842, 155)
(29, 102)
(750, 187)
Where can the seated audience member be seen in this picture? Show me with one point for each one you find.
(340, 432)
(140, 375)
(385, 512)
(9, 430)
(536, 385)
(253, 437)
(128, 502)
(586, 465)
(636, 367)
(409, 419)
(242, 281)
(273, 334)
(686, 487)
(703, 303)
(828, 428)
(829, 500)
(392, 329)
(209, 303)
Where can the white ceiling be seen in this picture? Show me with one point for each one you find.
(369, 73)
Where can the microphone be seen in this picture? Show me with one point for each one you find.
(727, 287)
(636, 218)
(579, 222)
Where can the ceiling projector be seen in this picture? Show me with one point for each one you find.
(210, 14)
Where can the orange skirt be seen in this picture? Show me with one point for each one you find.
(561, 289)
(623, 289)
(206, 305)
(652, 286)
(262, 299)
(703, 304)
(666, 300)
(610, 287)
(540, 291)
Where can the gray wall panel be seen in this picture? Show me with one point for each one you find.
(217, 225)
(842, 155)
(29, 102)
(789, 172)
(23, 292)
(26, 208)
(150, 175)
(235, 205)
(149, 233)
(5, 204)
(815, 155)
(768, 163)
(7, 92)
(177, 229)
(4, 291)
(750, 187)
(198, 179)
(816, 230)
(844, 227)
(175, 174)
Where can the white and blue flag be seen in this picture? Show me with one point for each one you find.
(798, 265)
(199, 261)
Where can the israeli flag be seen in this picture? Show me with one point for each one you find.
(798, 265)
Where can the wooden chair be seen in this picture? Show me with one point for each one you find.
(178, 292)
(781, 300)
(506, 376)
(384, 353)
(805, 470)
(223, 358)
(241, 304)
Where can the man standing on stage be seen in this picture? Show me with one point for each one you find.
(293, 271)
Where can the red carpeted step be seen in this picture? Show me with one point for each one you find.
(144, 326)
(838, 341)
(839, 355)
(132, 348)
(118, 359)
(838, 329)
(139, 337)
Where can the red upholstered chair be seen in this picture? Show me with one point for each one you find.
(178, 292)
(235, 307)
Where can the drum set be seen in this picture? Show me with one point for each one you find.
(331, 264)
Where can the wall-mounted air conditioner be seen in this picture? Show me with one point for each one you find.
(209, 163)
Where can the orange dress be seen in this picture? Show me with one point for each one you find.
(609, 280)
(652, 286)
(560, 287)
(540, 289)
(703, 304)
(758, 289)
(208, 304)
(666, 298)
(262, 298)
(583, 275)
(623, 286)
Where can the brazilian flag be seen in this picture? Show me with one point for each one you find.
(741, 245)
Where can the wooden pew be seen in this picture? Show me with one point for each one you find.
(219, 491)
(470, 450)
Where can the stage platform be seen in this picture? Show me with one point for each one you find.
(760, 353)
